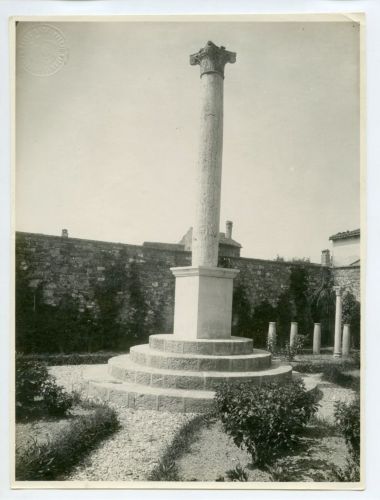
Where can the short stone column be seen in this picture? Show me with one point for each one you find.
(272, 335)
(346, 344)
(317, 338)
(293, 333)
(338, 323)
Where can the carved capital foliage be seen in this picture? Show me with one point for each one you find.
(212, 59)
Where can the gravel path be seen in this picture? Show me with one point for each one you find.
(131, 453)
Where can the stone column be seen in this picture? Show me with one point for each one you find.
(317, 338)
(211, 60)
(203, 294)
(272, 335)
(338, 323)
(293, 333)
(346, 340)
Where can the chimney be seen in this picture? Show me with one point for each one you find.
(65, 233)
(228, 229)
(325, 258)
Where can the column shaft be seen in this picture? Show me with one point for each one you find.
(293, 333)
(346, 347)
(272, 336)
(338, 326)
(206, 228)
(317, 338)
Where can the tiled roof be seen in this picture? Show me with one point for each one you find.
(345, 235)
(228, 241)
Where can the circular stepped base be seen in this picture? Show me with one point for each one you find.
(144, 355)
(145, 397)
(167, 342)
(124, 369)
(180, 375)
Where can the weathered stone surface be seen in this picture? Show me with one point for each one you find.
(174, 391)
(169, 343)
(191, 380)
(143, 355)
(65, 265)
(348, 279)
(346, 340)
(317, 339)
(206, 226)
(338, 323)
(203, 302)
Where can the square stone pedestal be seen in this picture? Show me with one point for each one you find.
(203, 302)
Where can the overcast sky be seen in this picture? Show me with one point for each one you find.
(107, 146)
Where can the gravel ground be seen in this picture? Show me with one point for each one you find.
(131, 453)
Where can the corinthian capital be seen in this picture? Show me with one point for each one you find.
(212, 59)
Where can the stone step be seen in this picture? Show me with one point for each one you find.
(141, 397)
(124, 369)
(167, 342)
(143, 355)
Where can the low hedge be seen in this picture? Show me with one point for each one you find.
(166, 469)
(332, 373)
(54, 459)
(95, 358)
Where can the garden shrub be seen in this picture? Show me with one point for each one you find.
(30, 378)
(49, 461)
(289, 352)
(266, 420)
(347, 418)
(237, 474)
(55, 399)
(37, 392)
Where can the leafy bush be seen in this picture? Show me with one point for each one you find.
(30, 378)
(55, 399)
(347, 418)
(49, 461)
(349, 473)
(37, 392)
(237, 474)
(266, 419)
(291, 351)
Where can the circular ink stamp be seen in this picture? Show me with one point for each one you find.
(42, 50)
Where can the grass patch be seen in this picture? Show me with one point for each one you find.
(53, 459)
(167, 469)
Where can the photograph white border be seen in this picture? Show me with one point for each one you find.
(109, 7)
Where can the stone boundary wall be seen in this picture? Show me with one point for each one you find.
(74, 267)
(348, 277)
